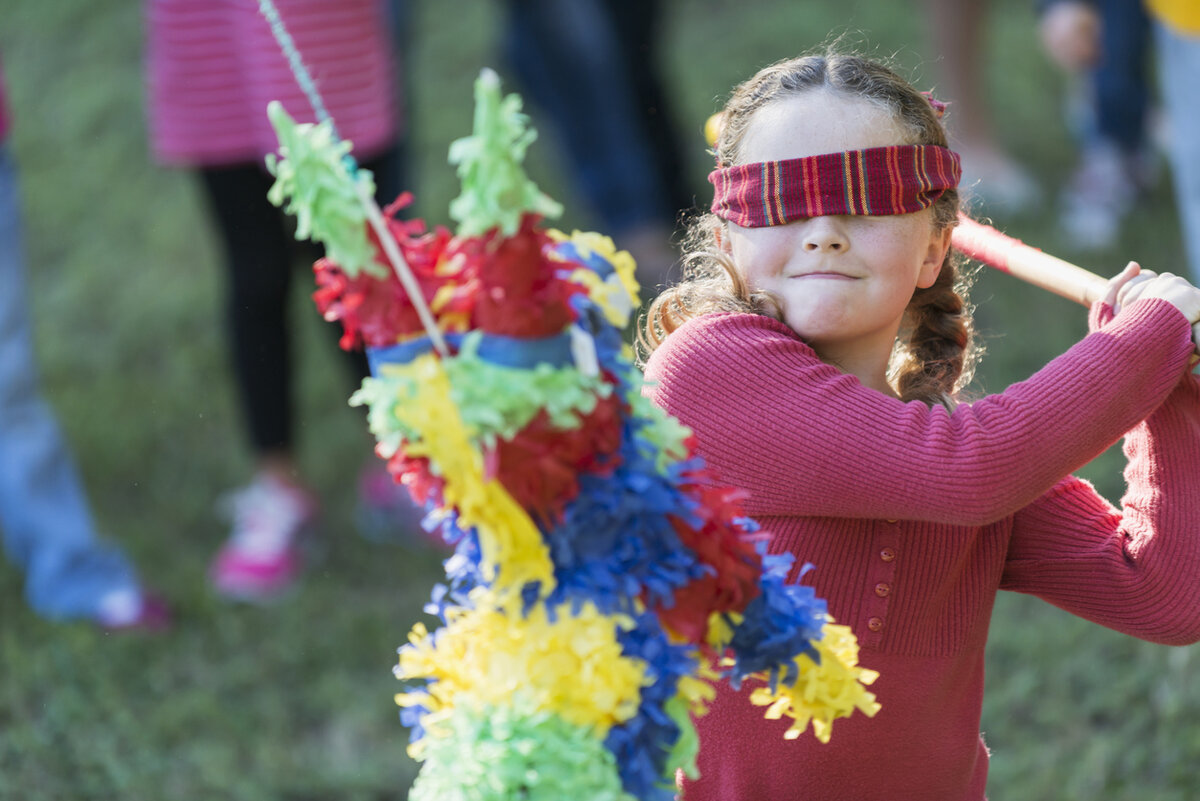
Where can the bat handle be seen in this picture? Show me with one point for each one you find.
(1012, 256)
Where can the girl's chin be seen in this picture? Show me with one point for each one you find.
(814, 331)
(826, 317)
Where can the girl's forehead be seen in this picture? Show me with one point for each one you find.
(818, 121)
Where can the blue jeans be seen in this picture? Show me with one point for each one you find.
(1120, 82)
(44, 516)
(1178, 69)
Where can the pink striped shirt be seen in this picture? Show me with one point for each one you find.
(213, 65)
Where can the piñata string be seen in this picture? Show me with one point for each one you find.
(375, 217)
(299, 71)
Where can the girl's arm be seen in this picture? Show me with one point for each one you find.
(807, 439)
(1135, 569)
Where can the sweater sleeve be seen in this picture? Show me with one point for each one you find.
(1133, 569)
(806, 439)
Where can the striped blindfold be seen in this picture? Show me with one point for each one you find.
(899, 179)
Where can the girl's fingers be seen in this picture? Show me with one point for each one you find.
(1133, 290)
(1118, 281)
(1135, 287)
(1133, 283)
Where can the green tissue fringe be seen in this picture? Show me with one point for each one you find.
(493, 401)
(313, 176)
(687, 745)
(506, 754)
(495, 190)
(666, 436)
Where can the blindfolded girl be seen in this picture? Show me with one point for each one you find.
(817, 346)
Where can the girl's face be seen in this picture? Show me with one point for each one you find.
(843, 282)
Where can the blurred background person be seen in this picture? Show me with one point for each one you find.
(47, 525)
(593, 67)
(1111, 41)
(212, 68)
(1105, 47)
(1177, 42)
(990, 174)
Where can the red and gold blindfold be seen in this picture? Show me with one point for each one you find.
(899, 179)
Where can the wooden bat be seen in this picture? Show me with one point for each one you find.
(1012, 256)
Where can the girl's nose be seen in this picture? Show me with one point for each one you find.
(823, 234)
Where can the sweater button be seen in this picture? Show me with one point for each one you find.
(882, 589)
(875, 624)
(892, 520)
(887, 554)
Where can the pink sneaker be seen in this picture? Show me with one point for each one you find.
(262, 556)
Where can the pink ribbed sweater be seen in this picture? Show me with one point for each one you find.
(914, 517)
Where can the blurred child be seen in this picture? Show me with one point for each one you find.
(957, 32)
(47, 527)
(213, 65)
(1112, 38)
(1176, 25)
(816, 348)
(592, 66)
(1104, 47)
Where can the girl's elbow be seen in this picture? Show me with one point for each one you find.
(1175, 639)
(1187, 635)
(1179, 630)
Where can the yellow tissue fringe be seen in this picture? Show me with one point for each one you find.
(511, 547)
(572, 667)
(618, 295)
(720, 629)
(697, 691)
(449, 321)
(823, 692)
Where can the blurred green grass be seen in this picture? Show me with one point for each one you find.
(293, 701)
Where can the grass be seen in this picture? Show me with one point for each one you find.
(293, 701)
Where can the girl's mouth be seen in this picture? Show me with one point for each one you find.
(826, 275)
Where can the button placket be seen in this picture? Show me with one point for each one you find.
(881, 579)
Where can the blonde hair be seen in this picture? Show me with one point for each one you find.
(936, 353)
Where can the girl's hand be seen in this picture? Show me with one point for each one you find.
(1132, 274)
(1165, 286)
(1134, 283)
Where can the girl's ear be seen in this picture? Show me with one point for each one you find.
(935, 255)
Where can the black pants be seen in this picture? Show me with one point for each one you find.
(261, 255)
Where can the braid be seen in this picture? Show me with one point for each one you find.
(938, 355)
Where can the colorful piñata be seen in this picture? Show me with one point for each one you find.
(601, 576)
